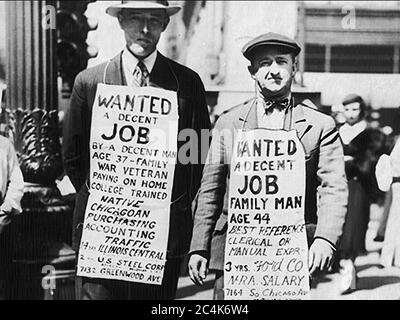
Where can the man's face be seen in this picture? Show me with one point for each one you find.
(352, 113)
(143, 29)
(273, 69)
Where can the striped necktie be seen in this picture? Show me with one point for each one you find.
(141, 75)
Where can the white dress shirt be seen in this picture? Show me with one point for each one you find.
(348, 132)
(273, 119)
(129, 63)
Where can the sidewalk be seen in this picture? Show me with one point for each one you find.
(375, 282)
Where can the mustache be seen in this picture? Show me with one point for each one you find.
(274, 78)
(270, 76)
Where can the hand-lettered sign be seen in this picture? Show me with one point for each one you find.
(266, 250)
(133, 151)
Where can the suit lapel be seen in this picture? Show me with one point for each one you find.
(162, 75)
(299, 121)
(114, 73)
(248, 116)
(294, 119)
(302, 126)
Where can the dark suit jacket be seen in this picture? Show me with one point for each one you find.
(193, 113)
(326, 184)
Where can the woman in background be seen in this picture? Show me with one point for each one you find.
(389, 170)
(363, 146)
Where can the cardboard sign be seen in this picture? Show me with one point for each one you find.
(266, 255)
(133, 150)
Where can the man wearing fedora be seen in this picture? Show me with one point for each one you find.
(139, 64)
(273, 67)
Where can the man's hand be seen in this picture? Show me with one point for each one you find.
(198, 269)
(320, 256)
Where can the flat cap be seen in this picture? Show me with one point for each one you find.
(271, 39)
(351, 98)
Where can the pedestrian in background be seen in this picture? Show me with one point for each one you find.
(388, 176)
(363, 145)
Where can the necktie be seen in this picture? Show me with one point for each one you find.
(141, 75)
(271, 105)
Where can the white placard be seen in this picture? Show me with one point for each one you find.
(266, 246)
(133, 150)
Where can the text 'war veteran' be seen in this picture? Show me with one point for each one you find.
(139, 65)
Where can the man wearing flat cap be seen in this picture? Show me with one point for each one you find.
(273, 67)
(138, 65)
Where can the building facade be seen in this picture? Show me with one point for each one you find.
(349, 46)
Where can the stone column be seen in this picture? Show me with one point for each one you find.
(32, 88)
(32, 63)
(32, 109)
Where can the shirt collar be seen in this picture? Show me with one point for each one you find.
(348, 132)
(130, 61)
(275, 119)
(261, 101)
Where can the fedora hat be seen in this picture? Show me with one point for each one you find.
(115, 9)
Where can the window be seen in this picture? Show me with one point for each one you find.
(362, 59)
(315, 58)
(350, 59)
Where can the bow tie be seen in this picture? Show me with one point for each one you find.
(278, 105)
